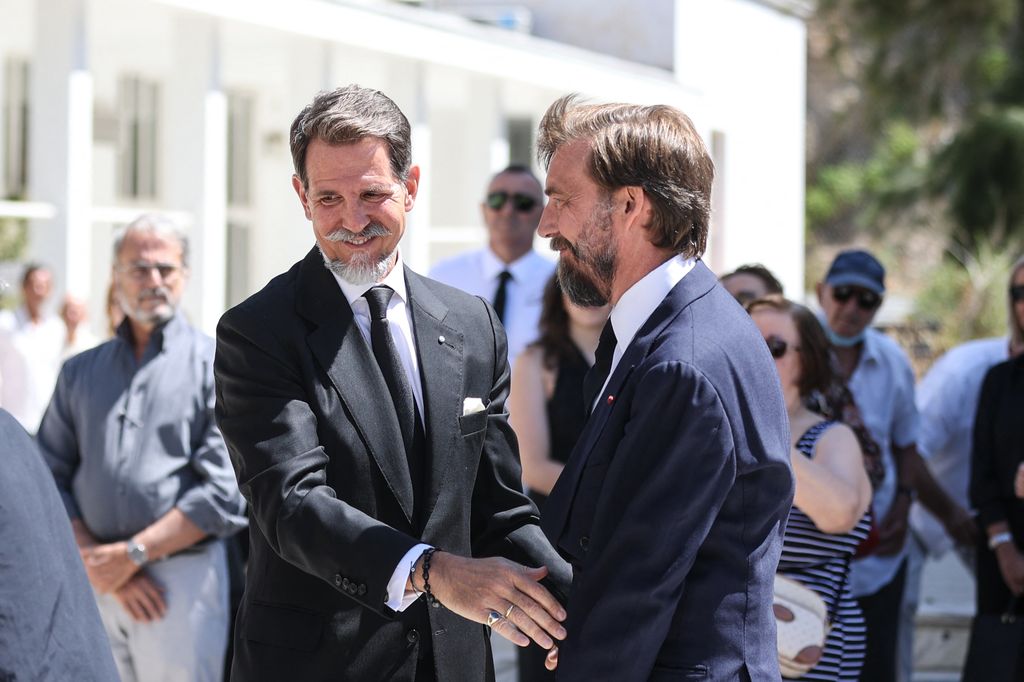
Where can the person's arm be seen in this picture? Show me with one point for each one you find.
(833, 487)
(957, 521)
(529, 417)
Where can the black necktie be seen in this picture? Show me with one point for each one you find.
(501, 294)
(390, 362)
(598, 374)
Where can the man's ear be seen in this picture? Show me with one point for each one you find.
(301, 191)
(412, 186)
(636, 207)
(819, 289)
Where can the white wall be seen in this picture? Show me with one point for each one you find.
(750, 62)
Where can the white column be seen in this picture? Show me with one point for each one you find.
(416, 243)
(195, 136)
(60, 142)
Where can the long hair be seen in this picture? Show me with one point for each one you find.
(554, 341)
(821, 386)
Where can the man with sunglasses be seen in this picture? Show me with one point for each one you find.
(507, 272)
(881, 380)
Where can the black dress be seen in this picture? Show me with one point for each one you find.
(997, 452)
(566, 417)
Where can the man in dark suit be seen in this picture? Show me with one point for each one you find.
(50, 628)
(364, 411)
(673, 505)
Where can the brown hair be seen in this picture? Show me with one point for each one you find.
(655, 148)
(821, 386)
(349, 114)
(554, 341)
(772, 285)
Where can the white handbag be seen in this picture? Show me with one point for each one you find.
(801, 619)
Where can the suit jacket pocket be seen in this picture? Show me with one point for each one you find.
(473, 423)
(667, 673)
(283, 626)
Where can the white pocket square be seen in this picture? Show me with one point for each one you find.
(472, 406)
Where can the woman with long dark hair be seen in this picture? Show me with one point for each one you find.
(830, 516)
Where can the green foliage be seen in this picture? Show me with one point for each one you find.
(966, 294)
(13, 238)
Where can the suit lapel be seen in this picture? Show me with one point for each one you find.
(440, 353)
(695, 284)
(339, 347)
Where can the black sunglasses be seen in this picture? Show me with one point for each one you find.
(778, 347)
(523, 203)
(1017, 293)
(866, 300)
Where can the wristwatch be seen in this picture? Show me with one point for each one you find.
(137, 553)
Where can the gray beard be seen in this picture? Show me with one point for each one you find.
(361, 269)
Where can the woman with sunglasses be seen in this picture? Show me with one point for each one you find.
(830, 508)
(996, 457)
(547, 411)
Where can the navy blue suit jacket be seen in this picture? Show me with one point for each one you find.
(674, 502)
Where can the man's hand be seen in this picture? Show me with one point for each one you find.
(960, 526)
(551, 660)
(1018, 482)
(473, 588)
(108, 566)
(142, 598)
(892, 531)
(1011, 565)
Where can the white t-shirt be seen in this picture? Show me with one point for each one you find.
(30, 358)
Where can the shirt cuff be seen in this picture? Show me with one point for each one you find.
(398, 598)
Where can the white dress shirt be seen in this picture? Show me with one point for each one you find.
(476, 272)
(400, 323)
(947, 398)
(30, 357)
(639, 303)
(882, 385)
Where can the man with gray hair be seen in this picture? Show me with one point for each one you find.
(364, 410)
(132, 443)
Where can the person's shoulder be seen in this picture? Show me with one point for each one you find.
(457, 267)
(886, 347)
(455, 298)
(267, 304)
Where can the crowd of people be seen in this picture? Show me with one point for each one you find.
(622, 463)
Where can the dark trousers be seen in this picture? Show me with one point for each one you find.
(882, 618)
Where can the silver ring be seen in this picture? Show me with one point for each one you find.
(508, 612)
(492, 618)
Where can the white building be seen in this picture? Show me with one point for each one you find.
(111, 107)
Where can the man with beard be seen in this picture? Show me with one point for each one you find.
(364, 410)
(131, 441)
(673, 504)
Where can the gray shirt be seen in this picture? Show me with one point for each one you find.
(129, 440)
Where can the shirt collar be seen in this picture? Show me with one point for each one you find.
(520, 268)
(394, 279)
(168, 331)
(641, 299)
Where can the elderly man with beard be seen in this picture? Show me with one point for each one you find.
(672, 506)
(364, 410)
(132, 443)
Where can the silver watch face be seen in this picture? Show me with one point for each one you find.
(137, 553)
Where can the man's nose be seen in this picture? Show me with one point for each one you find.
(546, 226)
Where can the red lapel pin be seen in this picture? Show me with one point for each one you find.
(611, 399)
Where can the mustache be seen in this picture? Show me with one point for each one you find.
(561, 244)
(155, 292)
(373, 229)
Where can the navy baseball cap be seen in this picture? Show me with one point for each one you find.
(858, 269)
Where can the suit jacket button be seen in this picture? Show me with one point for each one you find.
(362, 590)
(345, 583)
(584, 542)
(412, 636)
(337, 579)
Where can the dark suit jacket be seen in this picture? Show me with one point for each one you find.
(673, 504)
(316, 446)
(50, 628)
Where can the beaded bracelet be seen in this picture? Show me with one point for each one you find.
(431, 599)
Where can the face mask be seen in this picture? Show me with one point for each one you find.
(843, 341)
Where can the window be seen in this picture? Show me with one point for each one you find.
(240, 108)
(139, 102)
(520, 142)
(14, 118)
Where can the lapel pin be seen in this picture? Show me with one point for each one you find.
(611, 399)
(440, 339)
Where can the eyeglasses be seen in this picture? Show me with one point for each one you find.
(523, 203)
(866, 300)
(1017, 293)
(140, 271)
(778, 347)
